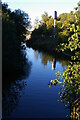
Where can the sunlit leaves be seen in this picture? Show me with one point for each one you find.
(70, 90)
(50, 23)
(45, 17)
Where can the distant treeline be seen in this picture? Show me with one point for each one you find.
(14, 29)
(42, 36)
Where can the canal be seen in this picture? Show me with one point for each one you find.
(31, 96)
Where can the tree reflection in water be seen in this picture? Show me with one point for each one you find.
(53, 63)
(13, 85)
(70, 91)
(45, 58)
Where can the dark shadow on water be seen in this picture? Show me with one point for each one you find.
(13, 83)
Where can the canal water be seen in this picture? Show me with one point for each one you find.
(31, 96)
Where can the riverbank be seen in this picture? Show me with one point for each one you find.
(48, 46)
(22, 96)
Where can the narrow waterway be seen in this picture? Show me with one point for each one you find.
(32, 97)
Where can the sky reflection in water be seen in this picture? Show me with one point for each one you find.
(36, 100)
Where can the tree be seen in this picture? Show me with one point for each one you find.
(15, 25)
(36, 23)
(45, 17)
(71, 76)
(22, 22)
(50, 23)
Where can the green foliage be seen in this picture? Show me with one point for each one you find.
(50, 23)
(43, 35)
(67, 29)
(45, 17)
(70, 90)
(73, 41)
(63, 30)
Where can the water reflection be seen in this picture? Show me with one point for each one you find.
(13, 85)
(11, 97)
(36, 54)
(45, 58)
(53, 63)
(70, 81)
(38, 100)
(70, 90)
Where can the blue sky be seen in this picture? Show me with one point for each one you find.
(35, 8)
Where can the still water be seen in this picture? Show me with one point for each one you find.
(31, 97)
